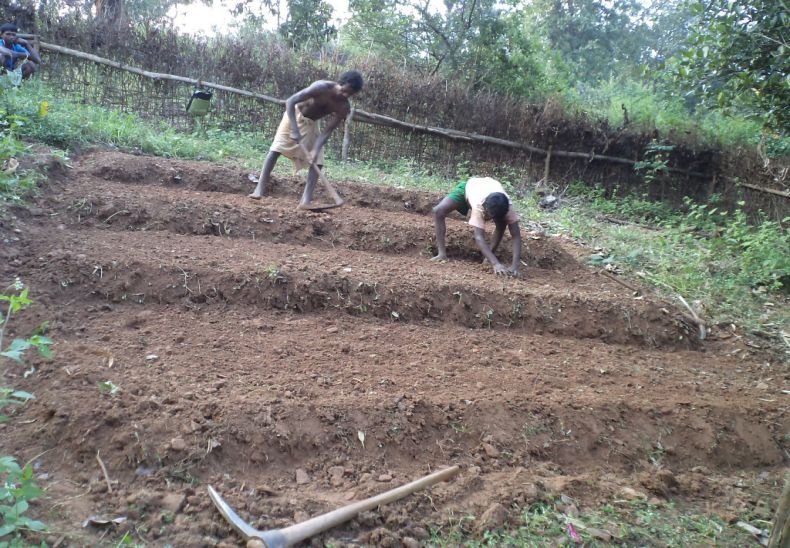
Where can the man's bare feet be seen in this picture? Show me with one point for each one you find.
(254, 196)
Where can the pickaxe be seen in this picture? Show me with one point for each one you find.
(294, 534)
(329, 187)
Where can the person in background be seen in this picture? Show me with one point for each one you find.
(17, 53)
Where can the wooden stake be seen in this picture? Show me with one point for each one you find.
(712, 185)
(547, 165)
(347, 134)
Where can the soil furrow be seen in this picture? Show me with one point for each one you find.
(228, 179)
(304, 387)
(162, 268)
(298, 361)
(120, 207)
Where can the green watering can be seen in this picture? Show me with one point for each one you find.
(199, 103)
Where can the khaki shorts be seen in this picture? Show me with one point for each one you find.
(289, 148)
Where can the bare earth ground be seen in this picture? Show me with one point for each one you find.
(249, 341)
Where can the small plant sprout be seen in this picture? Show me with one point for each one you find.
(17, 299)
(108, 387)
(274, 273)
(656, 162)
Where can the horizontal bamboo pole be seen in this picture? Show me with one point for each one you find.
(783, 193)
(157, 75)
(363, 116)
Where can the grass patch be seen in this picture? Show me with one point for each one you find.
(15, 184)
(634, 523)
(72, 125)
(738, 270)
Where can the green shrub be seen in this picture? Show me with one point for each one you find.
(630, 207)
(17, 486)
(749, 254)
(17, 489)
(13, 184)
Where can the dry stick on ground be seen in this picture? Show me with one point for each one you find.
(783, 193)
(104, 471)
(699, 321)
(693, 317)
(621, 282)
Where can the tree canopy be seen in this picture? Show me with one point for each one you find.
(729, 55)
(738, 58)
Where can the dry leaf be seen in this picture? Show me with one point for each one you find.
(102, 521)
(10, 166)
(361, 436)
(212, 444)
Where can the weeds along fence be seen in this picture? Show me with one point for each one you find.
(400, 115)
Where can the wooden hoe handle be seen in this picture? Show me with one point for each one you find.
(329, 186)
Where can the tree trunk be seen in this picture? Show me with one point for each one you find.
(111, 13)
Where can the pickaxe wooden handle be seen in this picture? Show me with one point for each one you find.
(289, 536)
(329, 187)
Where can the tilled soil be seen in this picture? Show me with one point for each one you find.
(297, 361)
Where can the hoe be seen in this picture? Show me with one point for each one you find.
(289, 536)
(324, 181)
(327, 185)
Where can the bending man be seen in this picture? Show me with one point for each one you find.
(299, 127)
(487, 200)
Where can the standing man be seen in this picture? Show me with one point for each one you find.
(299, 128)
(15, 50)
(487, 200)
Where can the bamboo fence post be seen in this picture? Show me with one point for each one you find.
(347, 134)
(547, 165)
(712, 185)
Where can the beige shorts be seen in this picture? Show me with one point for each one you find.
(289, 148)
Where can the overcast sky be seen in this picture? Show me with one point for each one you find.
(217, 18)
